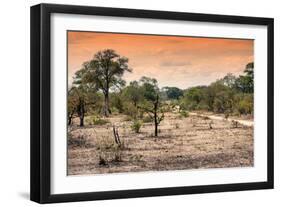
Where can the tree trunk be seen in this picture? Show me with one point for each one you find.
(70, 116)
(156, 129)
(155, 119)
(81, 120)
(69, 120)
(81, 113)
(106, 104)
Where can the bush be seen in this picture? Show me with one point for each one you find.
(99, 121)
(136, 126)
(184, 113)
(226, 115)
(95, 120)
(117, 155)
(147, 119)
(115, 111)
(244, 104)
(116, 103)
(219, 104)
(105, 142)
(88, 120)
(202, 106)
(102, 161)
(108, 150)
(245, 107)
(131, 110)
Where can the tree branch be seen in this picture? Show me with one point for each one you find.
(159, 119)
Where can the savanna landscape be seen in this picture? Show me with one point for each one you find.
(126, 116)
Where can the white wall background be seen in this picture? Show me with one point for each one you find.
(14, 101)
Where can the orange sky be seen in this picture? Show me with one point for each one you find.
(172, 60)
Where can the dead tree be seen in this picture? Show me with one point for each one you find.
(116, 136)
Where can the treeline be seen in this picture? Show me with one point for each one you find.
(98, 89)
(229, 95)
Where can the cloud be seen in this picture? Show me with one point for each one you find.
(174, 64)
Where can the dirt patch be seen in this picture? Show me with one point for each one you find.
(183, 143)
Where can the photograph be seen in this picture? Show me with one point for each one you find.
(133, 103)
(147, 102)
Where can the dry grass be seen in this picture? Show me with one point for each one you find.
(186, 143)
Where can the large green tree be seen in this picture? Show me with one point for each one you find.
(245, 83)
(133, 93)
(219, 97)
(194, 98)
(229, 80)
(105, 70)
(173, 92)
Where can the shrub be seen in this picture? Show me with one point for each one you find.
(99, 121)
(102, 161)
(226, 115)
(115, 111)
(245, 107)
(137, 124)
(184, 113)
(108, 150)
(219, 104)
(117, 105)
(88, 120)
(202, 106)
(117, 155)
(244, 104)
(131, 110)
(105, 142)
(147, 119)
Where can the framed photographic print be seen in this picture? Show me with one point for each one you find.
(133, 103)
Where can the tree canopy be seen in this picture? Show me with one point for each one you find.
(105, 71)
(173, 92)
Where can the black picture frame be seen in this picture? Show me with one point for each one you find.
(41, 95)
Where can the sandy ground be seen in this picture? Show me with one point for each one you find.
(240, 120)
(183, 143)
